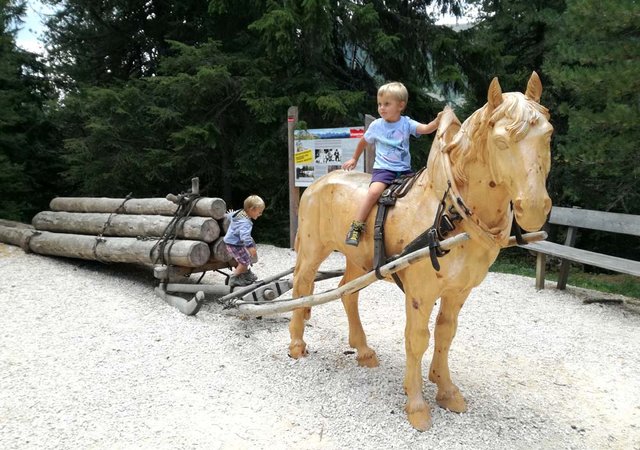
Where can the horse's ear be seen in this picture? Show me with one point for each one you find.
(494, 96)
(534, 88)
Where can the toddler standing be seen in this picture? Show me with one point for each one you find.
(239, 242)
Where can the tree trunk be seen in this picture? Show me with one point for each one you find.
(197, 228)
(119, 249)
(205, 206)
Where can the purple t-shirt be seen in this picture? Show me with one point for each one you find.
(392, 143)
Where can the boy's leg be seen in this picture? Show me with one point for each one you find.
(373, 194)
(357, 226)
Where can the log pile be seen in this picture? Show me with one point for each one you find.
(178, 234)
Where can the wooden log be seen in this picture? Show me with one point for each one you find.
(205, 206)
(14, 224)
(184, 253)
(197, 228)
(219, 251)
(18, 236)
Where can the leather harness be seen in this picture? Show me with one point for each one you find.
(443, 224)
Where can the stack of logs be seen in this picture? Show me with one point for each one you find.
(128, 231)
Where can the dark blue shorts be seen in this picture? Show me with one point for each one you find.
(387, 176)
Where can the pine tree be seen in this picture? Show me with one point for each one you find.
(28, 158)
(594, 69)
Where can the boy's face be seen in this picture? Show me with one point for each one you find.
(255, 212)
(389, 108)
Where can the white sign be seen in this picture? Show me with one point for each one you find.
(320, 151)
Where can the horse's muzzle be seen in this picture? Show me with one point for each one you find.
(531, 214)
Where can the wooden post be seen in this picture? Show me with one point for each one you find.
(565, 265)
(541, 263)
(369, 153)
(294, 192)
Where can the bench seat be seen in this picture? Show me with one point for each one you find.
(575, 219)
(586, 257)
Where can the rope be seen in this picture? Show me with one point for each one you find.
(186, 203)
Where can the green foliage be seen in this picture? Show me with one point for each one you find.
(594, 67)
(28, 159)
(510, 41)
(147, 113)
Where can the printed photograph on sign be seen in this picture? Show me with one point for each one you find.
(304, 174)
(328, 155)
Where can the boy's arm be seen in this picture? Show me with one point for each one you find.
(350, 164)
(245, 234)
(429, 127)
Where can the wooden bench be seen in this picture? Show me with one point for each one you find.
(575, 218)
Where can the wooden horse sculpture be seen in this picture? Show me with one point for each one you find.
(500, 156)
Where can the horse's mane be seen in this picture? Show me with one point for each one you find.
(470, 141)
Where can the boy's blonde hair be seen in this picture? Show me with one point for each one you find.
(253, 201)
(396, 90)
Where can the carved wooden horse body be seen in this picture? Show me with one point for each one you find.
(499, 156)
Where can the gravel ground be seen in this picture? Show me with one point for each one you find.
(91, 358)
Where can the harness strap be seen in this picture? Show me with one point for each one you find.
(518, 232)
(442, 225)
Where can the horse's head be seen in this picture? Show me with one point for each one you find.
(518, 149)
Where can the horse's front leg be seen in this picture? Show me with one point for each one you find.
(416, 334)
(357, 339)
(448, 396)
(303, 279)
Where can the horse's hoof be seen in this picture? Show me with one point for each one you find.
(453, 401)
(298, 349)
(367, 358)
(420, 420)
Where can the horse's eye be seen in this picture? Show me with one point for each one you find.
(502, 143)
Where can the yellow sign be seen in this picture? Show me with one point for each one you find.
(305, 156)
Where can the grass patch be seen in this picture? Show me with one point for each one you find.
(517, 261)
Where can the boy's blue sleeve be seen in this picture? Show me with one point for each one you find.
(245, 233)
(370, 134)
(413, 127)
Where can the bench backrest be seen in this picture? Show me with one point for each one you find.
(596, 220)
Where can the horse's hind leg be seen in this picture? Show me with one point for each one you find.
(448, 396)
(357, 339)
(310, 256)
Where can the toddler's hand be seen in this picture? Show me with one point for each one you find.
(252, 251)
(349, 165)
